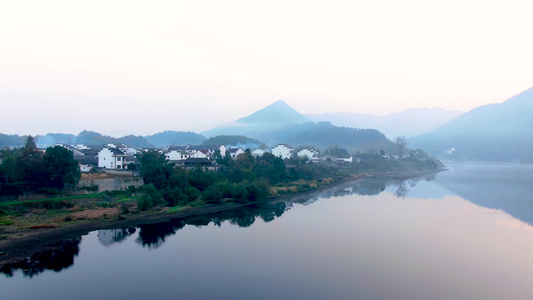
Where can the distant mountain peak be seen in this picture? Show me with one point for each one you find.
(279, 103)
(274, 117)
(277, 112)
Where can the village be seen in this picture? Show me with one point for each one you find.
(119, 159)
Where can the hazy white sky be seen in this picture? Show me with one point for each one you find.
(121, 67)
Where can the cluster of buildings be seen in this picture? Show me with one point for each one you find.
(120, 157)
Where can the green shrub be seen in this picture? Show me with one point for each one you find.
(212, 195)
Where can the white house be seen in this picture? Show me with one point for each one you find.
(234, 152)
(201, 154)
(222, 150)
(311, 154)
(111, 158)
(87, 163)
(207, 150)
(176, 155)
(345, 159)
(282, 150)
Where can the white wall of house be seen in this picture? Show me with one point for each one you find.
(223, 150)
(199, 154)
(174, 155)
(105, 159)
(309, 153)
(235, 153)
(86, 168)
(109, 160)
(282, 151)
(346, 159)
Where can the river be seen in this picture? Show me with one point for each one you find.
(465, 233)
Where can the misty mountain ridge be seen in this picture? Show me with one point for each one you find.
(175, 138)
(494, 132)
(410, 122)
(161, 139)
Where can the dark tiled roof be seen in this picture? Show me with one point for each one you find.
(96, 147)
(206, 147)
(88, 160)
(90, 152)
(194, 161)
(233, 150)
(116, 151)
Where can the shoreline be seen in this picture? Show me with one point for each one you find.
(29, 242)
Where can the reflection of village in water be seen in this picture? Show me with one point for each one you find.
(154, 235)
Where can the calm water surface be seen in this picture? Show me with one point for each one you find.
(464, 234)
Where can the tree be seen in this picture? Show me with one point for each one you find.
(30, 165)
(401, 145)
(155, 168)
(132, 167)
(30, 145)
(336, 151)
(60, 168)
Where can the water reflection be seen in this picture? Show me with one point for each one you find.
(110, 236)
(499, 187)
(353, 246)
(154, 235)
(59, 258)
(507, 187)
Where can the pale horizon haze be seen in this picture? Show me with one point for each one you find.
(140, 67)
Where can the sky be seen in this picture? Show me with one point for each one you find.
(140, 67)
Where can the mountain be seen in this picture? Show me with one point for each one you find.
(235, 141)
(280, 123)
(14, 140)
(84, 137)
(411, 122)
(168, 138)
(494, 132)
(325, 134)
(277, 116)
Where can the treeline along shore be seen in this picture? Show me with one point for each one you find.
(59, 211)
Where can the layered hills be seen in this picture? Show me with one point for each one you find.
(495, 132)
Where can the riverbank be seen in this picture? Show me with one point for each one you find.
(22, 244)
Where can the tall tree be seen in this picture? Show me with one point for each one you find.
(60, 167)
(30, 165)
(401, 145)
(155, 168)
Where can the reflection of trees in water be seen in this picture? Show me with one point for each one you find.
(402, 190)
(110, 236)
(59, 258)
(371, 187)
(154, 235)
